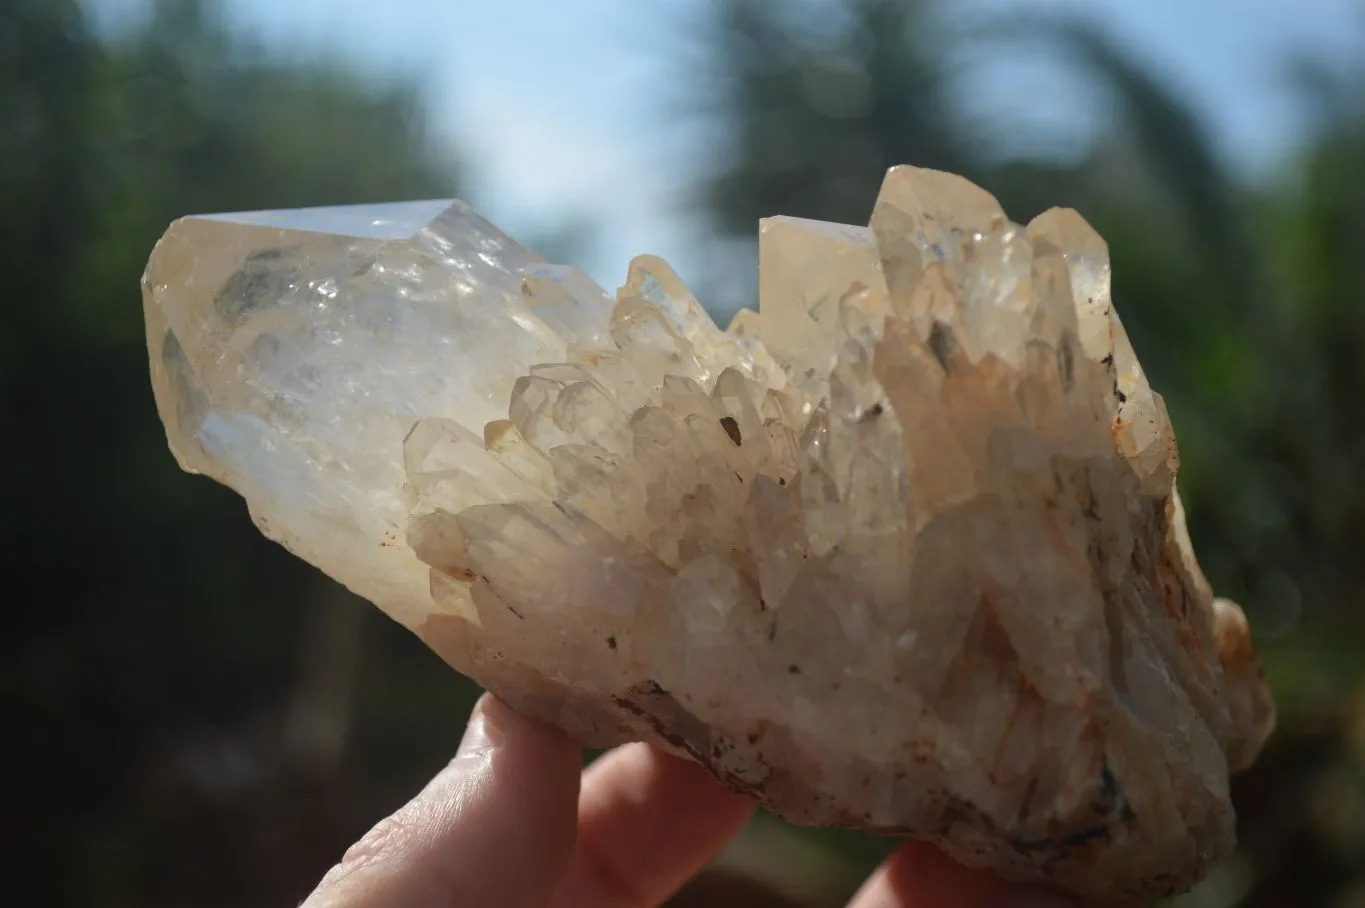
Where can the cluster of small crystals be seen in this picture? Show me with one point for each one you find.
(908, 523)
(901, 550)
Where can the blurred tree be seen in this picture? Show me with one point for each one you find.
(817, 111)
(1313, 233)
(1311, 787)
(182, 689)
(816, 101)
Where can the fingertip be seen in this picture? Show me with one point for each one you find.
(933, 878)
(1029, 898)
(642, 777)
(493, 725)
(920, 874)
(647, 822)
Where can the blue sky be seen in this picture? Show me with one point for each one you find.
(555, 103)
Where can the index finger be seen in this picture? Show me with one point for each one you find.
(647, 822)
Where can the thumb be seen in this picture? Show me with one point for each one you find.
(494, 828)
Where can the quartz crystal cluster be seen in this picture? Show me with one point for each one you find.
(901, 550)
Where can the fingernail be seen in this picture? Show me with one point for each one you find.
(476, 734)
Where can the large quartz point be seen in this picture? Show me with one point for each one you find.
(901, 550)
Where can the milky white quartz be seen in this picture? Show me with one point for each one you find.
(901, 550)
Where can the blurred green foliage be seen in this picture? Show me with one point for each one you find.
(193, 705)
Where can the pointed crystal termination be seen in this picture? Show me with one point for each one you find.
(901, 550)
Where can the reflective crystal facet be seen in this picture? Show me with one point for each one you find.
(901, 550)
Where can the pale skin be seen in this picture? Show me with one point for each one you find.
(512, 822)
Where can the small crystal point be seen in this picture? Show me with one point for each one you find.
(900, 550)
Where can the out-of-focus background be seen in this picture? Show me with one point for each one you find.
(197, 718)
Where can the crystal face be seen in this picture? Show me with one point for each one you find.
(901, 550)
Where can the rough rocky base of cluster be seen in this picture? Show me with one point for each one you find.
(902, 550)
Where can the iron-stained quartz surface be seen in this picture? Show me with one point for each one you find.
(902, 550)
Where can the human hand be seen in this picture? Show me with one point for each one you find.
(512, 823)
